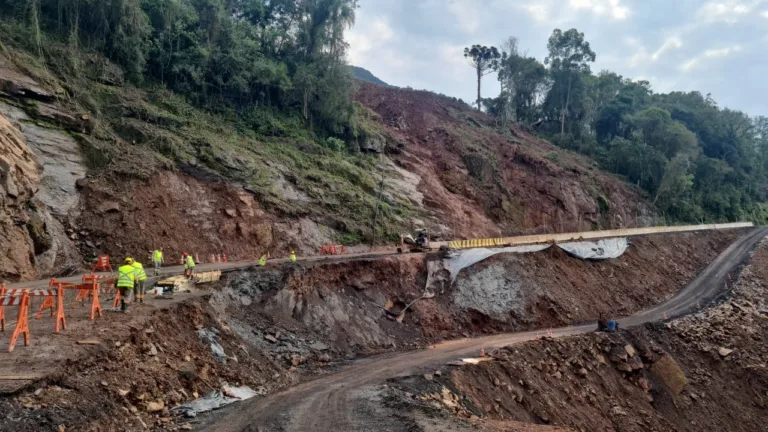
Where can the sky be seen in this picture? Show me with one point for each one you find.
(718, 46)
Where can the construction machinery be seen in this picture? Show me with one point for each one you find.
(418, 244)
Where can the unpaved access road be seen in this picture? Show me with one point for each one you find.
(333, 402)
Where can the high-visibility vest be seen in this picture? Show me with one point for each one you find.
(126, 274)
(293, 257)
(140, 273)
(190, 262)
(262, 261)
(157, 256)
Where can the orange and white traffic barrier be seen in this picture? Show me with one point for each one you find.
(224, 258)
(22, 324)
(102, 264)
(21, 297)
(95, 287)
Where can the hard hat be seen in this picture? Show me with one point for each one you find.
(185, 254)
(293, 252)
(129, 260)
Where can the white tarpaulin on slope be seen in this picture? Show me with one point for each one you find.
(457, 261)
(602, 249)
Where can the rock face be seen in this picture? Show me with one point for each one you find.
(19, 175)
(56, 196)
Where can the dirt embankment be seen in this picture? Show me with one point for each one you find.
(550, 289)
(706, 371)
(181, 213)
(478, 182)
(130, 380)
(279, 325)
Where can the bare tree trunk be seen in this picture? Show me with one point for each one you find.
(565, 109)
(479, 77)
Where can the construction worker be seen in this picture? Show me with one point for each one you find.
(293, 256)
(157, 260)
(141, 276)
(189, 265)
(126, 278)
(263, 260)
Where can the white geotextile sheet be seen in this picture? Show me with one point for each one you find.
(462, 259)
(599, 250)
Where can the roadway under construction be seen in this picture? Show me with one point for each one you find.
(282, 324)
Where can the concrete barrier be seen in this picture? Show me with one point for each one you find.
(585, 235)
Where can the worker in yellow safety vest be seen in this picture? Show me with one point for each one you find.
(189, 265)
(157, 260)
(293, 256)
(263, 260)
(141, 276)
(126, 278)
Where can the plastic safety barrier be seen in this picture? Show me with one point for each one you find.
(586, 235)
(54, 300)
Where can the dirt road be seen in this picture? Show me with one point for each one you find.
(333, 402)
(229, 266)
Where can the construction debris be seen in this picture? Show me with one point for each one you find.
(211, 335)
(215, 400)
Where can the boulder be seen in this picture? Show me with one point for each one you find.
(319, 346)
(630, 350)
(155, 406)
(670, 374)
(108, 206)
(618, 354)
(724, 352)
(81, 123)
(20, 85)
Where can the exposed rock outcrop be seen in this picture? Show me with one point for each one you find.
(19, 176)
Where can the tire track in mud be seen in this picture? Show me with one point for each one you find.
(323, 404)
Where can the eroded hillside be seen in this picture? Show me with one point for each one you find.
(126, 170)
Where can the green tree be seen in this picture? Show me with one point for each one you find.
(484, 60)
(523, 81)
(568, 60)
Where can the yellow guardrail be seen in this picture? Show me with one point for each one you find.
(584, 235)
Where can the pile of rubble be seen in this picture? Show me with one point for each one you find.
(733, 329)
(706, 371)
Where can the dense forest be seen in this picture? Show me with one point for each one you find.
(696, 160)
(255, 56)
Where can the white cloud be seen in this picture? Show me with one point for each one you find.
(539, 12)
(642, 56)
(365, 40)
(729, 11)
(765, 14)
(612, 8)
(467, 13)
(722, 52)
(669, 44)
(454, 65)
(695, 62)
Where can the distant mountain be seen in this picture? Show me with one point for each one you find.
(366, 75)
